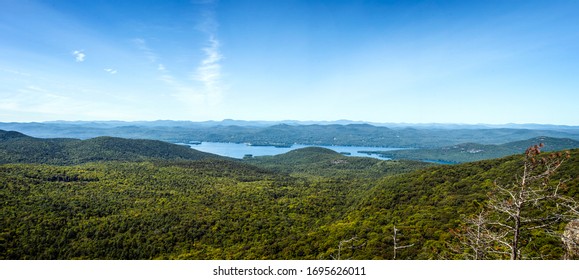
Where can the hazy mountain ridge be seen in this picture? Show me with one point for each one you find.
(257, 123)
(347, 134)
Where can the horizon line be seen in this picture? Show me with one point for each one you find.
(339, 121)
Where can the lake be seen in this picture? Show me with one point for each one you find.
(236, 150)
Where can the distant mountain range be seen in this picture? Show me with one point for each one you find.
(346, 133)
(231, 122)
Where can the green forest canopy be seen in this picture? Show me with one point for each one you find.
(215, 208)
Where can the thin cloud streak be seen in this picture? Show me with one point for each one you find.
(202, 87)
(15, 72)
(142, 45)
(209, 72)
(179, 90)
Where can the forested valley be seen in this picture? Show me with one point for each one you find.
(114, 198)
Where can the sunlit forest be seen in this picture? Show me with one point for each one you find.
(311, 203)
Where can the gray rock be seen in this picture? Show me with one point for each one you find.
(570, 239)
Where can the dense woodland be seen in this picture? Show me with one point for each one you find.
(109, 203)
(16, 147)
(316, 162)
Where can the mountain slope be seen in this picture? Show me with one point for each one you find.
(205, 210)
(112, 148)
(317, 161)
(427, 204)
(16, 147)
(10, 135)
(468, 152)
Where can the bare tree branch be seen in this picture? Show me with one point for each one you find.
(513, 208)
(396, 247)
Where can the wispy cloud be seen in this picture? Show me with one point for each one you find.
(79, 56)
(200, 87)
(15, 72)
(149, 54)
(177, 87)
(54, 101)
(209, 71)
(111, 71)
(36, 99)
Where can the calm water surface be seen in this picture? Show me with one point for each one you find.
(235, 150)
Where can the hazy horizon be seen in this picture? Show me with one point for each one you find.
(413, 62)
(303, 122)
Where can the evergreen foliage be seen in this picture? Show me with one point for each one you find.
(19, 148)
(307, 204)
(316, 161)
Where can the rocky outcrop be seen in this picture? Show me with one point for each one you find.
(571, 240)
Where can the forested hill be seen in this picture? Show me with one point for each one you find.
(112, 198)
(317, 161)
(468, 152)
(229, 210)
(16, 147)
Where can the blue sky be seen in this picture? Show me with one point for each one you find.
(471, 62)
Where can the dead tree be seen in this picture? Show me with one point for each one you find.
(343, 243)
(510, 205)
(396, 247)
(473, 237)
